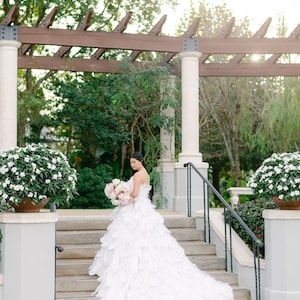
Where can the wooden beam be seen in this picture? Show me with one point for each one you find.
(249, 70)
(248, 45)
(121, 27)
(11, 15)
(68, 64)
(112, 66)
(98, 39)
(143, 42)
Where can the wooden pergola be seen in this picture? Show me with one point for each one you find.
(237, 49)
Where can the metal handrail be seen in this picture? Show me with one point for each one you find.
(256, 243)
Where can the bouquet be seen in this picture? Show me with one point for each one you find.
(118, 192)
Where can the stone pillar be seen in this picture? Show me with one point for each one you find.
(282, 262)
(190, 107)
(28, 255)
(165, 194)
(190, 130)
(8, 86)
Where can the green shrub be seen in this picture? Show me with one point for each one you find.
(90, 186)
(251, 213)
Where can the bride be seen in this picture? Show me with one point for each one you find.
(140, 260)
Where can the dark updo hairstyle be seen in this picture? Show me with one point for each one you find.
(138, 156)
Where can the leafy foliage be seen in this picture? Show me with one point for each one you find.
(88, 117)
(90, 186)
(251, 213)
(109, 116)
(278, 125)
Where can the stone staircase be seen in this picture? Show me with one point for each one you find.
(79, 234)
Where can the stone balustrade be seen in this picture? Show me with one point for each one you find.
(235, 192)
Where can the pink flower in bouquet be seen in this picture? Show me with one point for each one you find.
(118, 192)
(110, 191)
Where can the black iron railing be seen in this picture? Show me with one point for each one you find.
(208, 189)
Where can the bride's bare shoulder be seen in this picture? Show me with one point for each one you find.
(142, 177)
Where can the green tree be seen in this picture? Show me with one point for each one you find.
(109, 116)
(279, 124)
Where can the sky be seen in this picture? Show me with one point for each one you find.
(256, 10)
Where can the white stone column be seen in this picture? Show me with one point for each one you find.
(28, 255)
(190, 107)
(8, 93)
(282, 263)
(190, 135)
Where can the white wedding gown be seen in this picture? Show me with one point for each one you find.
(140, 260)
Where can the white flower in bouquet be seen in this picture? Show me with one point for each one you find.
(118, 192)
(110, 191)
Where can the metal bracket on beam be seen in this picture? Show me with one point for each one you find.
(8, 33)
(190, 44)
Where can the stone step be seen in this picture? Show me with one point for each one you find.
(80, 291)
(75, 296)
(94, 236)
(83, 283)
(73, 266)
(239, 294)
(100, 221)
(89, 250)
(79, 237)
(82, 223)
(69, 267)
(221, 275)
(187, 234)
(205, 262)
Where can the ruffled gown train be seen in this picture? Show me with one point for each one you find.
(140, 260)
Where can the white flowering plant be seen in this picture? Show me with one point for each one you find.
(118, 192)
(278, 176)
(38, 172)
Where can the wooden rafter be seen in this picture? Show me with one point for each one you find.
(84, 25)
(121, 27)
(156, 30)
(259, 34)
(45, 24)
(11, 16)
(295, 34)
(225, 32)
